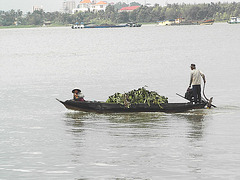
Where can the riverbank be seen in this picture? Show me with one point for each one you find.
(62, 25)
(32, 26)
(20, 26)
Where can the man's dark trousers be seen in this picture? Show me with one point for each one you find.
(197, 93)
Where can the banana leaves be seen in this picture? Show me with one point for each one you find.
(142, 95)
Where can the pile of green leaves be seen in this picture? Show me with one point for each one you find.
(141, 95)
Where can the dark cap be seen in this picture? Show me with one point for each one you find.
(76, 90)
(193, 65)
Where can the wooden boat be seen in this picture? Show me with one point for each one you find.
(103, 107)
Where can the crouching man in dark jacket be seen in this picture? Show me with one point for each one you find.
(77, 95)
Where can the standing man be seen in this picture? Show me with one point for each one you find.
(195, 81)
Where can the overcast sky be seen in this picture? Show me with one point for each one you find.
(55, 5)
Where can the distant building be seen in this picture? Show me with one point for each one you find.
(68, 6)
(88, 5)
(128, 9)
(99, 6)
(83, 6)
(37, 8)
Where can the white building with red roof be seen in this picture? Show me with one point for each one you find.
(99, 6)
(88, 5)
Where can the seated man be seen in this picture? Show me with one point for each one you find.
(77, 95)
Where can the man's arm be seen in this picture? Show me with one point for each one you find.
(203, 76)
(190, 80)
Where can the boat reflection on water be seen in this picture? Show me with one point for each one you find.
(191, 125)
(141, 117)
(75, 121)
(116, 133)
(195, 139)
(195, 120)
(118, 124)
(196, 123)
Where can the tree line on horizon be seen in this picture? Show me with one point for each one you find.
(144, 14)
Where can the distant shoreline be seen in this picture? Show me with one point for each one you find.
(31, 26)
(20, 26)
(58, 25)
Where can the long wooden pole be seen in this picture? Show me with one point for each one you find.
(209, 102)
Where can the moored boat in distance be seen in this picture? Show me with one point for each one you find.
(82, 25)
(182, 21)
(234, 20)
(207, 22)
(168, 22)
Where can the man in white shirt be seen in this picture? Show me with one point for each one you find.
(195, 81)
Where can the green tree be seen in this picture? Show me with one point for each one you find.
(133, 16)
(36, 18)
(170, 13)
(135, 4)
(8, 18)
(123, 17)
(120, 5)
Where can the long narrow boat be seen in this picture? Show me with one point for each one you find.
(105, 26)
(103, 107)
(81, 26)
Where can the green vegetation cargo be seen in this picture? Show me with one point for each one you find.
(141, 95)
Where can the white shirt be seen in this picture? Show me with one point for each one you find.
(196, 77)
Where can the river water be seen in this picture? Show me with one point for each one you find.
(40, 139)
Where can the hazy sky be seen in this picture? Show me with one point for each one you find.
(55, 5)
